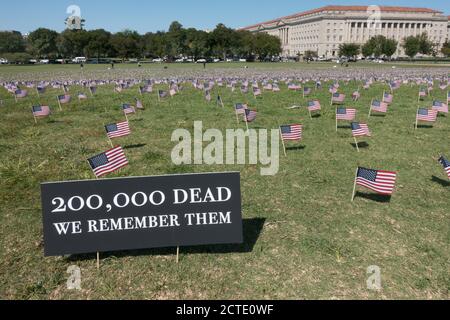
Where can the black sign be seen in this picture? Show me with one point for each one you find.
(139, 213)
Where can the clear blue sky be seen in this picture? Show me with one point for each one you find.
(151, 15)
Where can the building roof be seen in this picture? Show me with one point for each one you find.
(347, 8)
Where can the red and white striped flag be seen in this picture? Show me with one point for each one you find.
(382, 182)
(108, 162)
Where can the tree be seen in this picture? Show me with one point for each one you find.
(126, 44)
(43, 42)
(222, 40)
(445, 50)
(267, 45)
(99, 43)
(11, 41)
(73, 43)
(425, 45)
(389, 47)
(349, 49)
(412, 46)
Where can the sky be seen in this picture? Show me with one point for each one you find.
(150, 15)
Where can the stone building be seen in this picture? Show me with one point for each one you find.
(322, 30)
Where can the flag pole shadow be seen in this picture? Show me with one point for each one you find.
(374, 197)
(440, 181)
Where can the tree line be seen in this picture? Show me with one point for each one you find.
(380, 46)
(178, 41)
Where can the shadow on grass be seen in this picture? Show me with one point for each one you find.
(135, 146)
(361, 145)
(374, 197)
(345, 127)
(442, 182)
(378, 115)
(424, 126)
(137, 120)
(252, 229)
(295, 148)
(316, 115)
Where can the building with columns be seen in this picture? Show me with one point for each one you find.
(322, 30)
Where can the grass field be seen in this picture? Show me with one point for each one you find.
(304, 239)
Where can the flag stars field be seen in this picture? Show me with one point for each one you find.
(301, 227)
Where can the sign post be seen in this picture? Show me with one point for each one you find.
(140, 213)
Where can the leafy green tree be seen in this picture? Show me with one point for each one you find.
(43, 42)
(445, 50)
(73, 43)
(425, 45)
(99, 43)
(222, 40)
(349, 49)
(267, 45)
(11, 41)
(126, 44)
(412, 46)
(389, 47)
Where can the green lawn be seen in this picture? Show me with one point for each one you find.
(304, 238)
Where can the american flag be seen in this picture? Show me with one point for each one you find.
(394, 85)
(356, 95)
(41, 111)
(440, 107)
(118, 89)
(128, 109)
(20, 93)
(306, 91)
(268, 87)
(422, 93)
(294, 87)
(162, 94)
(382, 182)
(65, 98)
(275, 88)
(291, 132)
(93, 89)
(338, 97)
(446, 164)
(250, 115)
(244, 89)
(82, 96)
(145, 89)
(172, 91)
(360, 130)
(427, 115)
(388, 98)
(345, 114)
(108, 162)
(333, 90)
(256, 91)
(379, 106)
(139, 104)
(117, 130)
(66, 88)
(40, 90)
(240, 108)
(314, 105)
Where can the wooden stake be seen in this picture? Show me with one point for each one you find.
(370, 108)
(354, 186)
(178, 254)
(417, 120)
(356, 142)
(282, 141)
(59, 104)
(98, 260)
